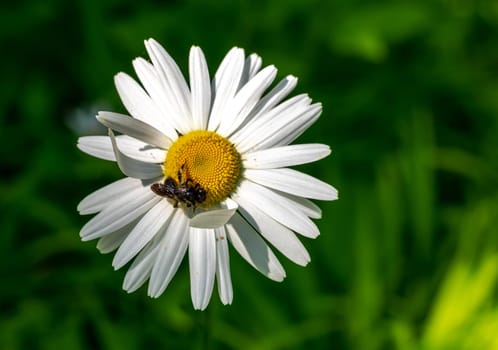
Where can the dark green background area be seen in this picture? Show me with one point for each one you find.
(406, 259)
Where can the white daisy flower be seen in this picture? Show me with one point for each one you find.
(205, 165)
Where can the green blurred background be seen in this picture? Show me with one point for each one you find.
(407, 258)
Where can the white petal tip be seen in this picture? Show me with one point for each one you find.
(277, 277)
(101, 118)
(333, 195)
(303, 262)
(199, 307)
(102, 251)
(137, 60)
(153, 295)
(118, 262)
(273, 70)
(119, 75)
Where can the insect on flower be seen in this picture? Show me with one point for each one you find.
(185, 191)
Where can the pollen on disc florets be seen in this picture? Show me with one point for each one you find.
(209, 160)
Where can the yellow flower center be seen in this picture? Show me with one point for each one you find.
(204, 158)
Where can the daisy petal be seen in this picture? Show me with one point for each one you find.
(141, 267)
(225, 83)
(278, 157)
(225, 290)
(201, 88)
(134, 128)
(171, 77)
(97, 146)
(278, 208)
(98, 200)
(139, 150)
(121, 212)
(286, 132)
(252, 65)
(289, 135)
(305, 205)
(245, 100)
(132, 167)
(278, 235)
(202, 264)
(293, 182)
(151, 223)
(170, 254)
(215, 218)
(253, 248)
(140, 105)
(271, 99)
(113, 240)
(101, 147)
(162, 97)
(265, 126)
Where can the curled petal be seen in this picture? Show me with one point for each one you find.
(132, 167)
(101, 147)
(134, 128)
(215, 218)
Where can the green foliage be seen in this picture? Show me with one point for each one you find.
(407, 258)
